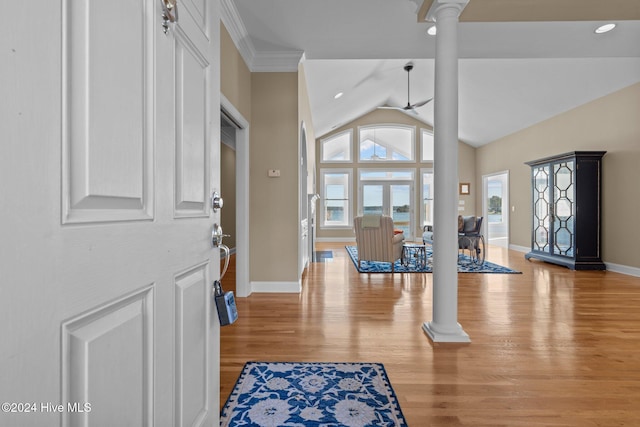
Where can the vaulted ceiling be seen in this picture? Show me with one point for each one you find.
(534, 60)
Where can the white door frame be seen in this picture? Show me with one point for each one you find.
(303, 204)
(243, 284)
(505, 204)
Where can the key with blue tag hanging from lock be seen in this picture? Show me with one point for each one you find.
(225, 303)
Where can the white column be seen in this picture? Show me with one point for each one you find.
(445, 327)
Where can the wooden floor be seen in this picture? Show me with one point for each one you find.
(550, 347)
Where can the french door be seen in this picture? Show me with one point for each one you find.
(392, 198)
(496, 208)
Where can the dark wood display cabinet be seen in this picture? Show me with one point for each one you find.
(566, 209)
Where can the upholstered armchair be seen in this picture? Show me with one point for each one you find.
(377, 240)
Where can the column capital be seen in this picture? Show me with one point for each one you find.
(440, 5)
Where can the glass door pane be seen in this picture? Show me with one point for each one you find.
(427, 198)
(563, 208)
(373, 199)
(541, 202)
(496, 207)
(400, 196)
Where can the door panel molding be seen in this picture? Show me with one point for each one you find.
(192, 311)
(193, 129)
(198, 11)
(107, 164)
(103, 352)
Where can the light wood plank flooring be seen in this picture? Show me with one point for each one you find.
(550, 347)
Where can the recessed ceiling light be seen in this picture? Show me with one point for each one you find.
(432, 30)
(338, 95)
(605, 28)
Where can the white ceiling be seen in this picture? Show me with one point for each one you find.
(512, 74)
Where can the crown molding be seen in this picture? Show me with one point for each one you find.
(266, 61)
(276, 61)
(234, 25)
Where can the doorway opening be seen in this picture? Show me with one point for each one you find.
(495, 207)
(305, 252)
(234, 176)
(388, 192)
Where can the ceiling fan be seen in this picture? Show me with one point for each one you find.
(409, 106)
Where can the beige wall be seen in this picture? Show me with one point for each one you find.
(274, 201)
(611, 123)
(275, 105)
(466, 165)
(235, 77)
(467, 173)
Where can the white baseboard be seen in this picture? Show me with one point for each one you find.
(616, 268)
(335, 239)
(623, 269)
(517, 248)
(277, 287)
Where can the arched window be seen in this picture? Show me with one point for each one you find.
(336, 148)
(386, 143)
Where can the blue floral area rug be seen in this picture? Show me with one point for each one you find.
(385, 267)
(284, 394)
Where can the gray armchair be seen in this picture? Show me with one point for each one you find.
(470, 238)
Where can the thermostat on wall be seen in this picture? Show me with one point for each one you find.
(274, 173)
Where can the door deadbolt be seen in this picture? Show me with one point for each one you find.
(216, 201)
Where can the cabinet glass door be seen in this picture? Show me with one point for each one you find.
(563, 214)
(541, 204)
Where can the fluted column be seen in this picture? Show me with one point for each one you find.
(445, 327)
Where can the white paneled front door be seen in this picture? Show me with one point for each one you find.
(108, 160)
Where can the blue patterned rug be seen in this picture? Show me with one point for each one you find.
(385, 267)
(283, 394)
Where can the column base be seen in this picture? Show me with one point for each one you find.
(459, 335)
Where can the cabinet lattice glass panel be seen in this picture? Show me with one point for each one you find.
(566, 210)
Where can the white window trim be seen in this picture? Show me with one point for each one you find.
(388, 125)
(349, 197)
(336, 135)
(422, 132)
(411, 171)
(421, 179)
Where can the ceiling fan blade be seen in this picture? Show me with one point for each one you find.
(409, 106)
(420, 104)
